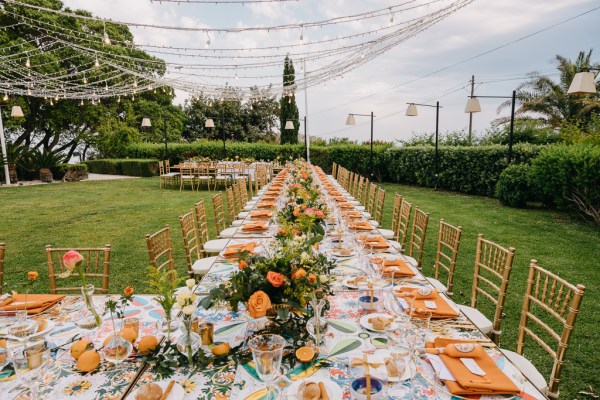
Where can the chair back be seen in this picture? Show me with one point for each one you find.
(190, 239)
(372, 197)
(243, 191)
(230, 204)
(396, 211)
(493, 264)
(446, 253)
(167, 166)
(379, 205)
(334, 169)
(417, 236)
(237, 199)
(96, 268)
(219, 210)
(201, 223)
(161, 168)
(354, 188)
(550, 301)
(160, 249)
(2, 247)
(403, 221)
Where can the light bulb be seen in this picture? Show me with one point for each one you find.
(84, 80)
(391, 22)
(81, 102)
(96, 63)
(132, 98)
(28, 92)
(119, 99)
(51, 103)
(106, 87)
(56, 98)
(5, 98)
(208, 42)
(135, 83)
(28, 63)
(106, 39)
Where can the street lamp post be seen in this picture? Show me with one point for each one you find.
(352, 121)
(289, 125)
(210, 123)
(15, 112)
(473, 106)
(147, 124)
(411, 111)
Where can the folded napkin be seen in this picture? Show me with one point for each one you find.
(267, 204)
(395, 268)
(443, 308)
(255, 226)
(269, 198)
(261, 214)
(422, 293)
(33, 303)
(237, 249)
(360, 226)
(493, 382)
(340, 199)
(345, 205)
(335, 193)
(352, 214)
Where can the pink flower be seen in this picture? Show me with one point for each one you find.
(309, 211)
(320, 214)
(72, 260)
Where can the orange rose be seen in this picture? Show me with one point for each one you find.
(296, 212)
(258, 304)
(32, 275)
(312, 278)
(275, 278)
(128, 291)
(303, 206)
(299, 273)
(242, 264)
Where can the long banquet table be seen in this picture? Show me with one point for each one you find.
(231, 381)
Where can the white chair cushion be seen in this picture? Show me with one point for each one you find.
(248, 208)
(362, 210)
(243, 215)
(256, 198)
(410, 260)
(437, 285)
(528, 369)
(215, 246)
(237, 222)
(171, 174)
(477, 318)
(395, 244)
(202, 265)
(374, 223)
(228, 233)
(188, 176)
(387, 233)
(354, 202)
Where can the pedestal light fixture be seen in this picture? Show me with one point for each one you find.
(289, 125)
(15, 112)
(352, 121)
(147, 124)
(411, 111)
(210, 123)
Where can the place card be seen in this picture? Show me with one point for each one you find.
(472, 366)
(430, 304)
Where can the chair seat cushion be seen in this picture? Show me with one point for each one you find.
(243, 215)
(374, 223)
(171, 174)
(363, 212)
(202, 265)
(215, 246)
(395, 244)
(477, 318)
(387, 233)
(228, 233)
(437, 285)
(205, 177)
(188, 176)
(354, 202)
(248, 207)
(528, 369)
(237, 222)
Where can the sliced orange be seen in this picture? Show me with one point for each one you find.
(305, 354)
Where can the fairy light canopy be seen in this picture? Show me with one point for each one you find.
(102, 59)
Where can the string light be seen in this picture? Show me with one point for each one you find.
(96, 63)
(5, 98)
(28, 63)
(105, 38)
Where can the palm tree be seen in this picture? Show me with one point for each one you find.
(542, 98)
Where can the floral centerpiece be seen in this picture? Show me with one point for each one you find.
(186, 299)
(73, 262)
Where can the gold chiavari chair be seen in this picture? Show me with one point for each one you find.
(550, 309)
(379, 205)
(372, 199)
(173, 175)
(391, 233)
(417, 236)
(160, 249)
(2, 248)
(208, 246)
(493, 264)
(231, 210)
(96, 267)
(203, 175)
(334, 168)
(402, 232)
(359, 192)
(196, 264)
(222, 176)
(445, 257)
(354, 186)
(220, 222)
(187, 176)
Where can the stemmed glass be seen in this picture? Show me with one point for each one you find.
(267, 351)
(31, 362)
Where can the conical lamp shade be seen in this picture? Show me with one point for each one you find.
(209, 123)
(350, 120)
(473, 105)
(16, 112)
(289, 124)
(146, 123)
(411, 111)
(583, 83)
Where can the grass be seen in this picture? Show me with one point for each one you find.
(122, 212)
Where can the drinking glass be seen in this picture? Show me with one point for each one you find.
(30, 362)
(267, 351)
(23, 327)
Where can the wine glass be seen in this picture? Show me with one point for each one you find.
(23, 327)
(267, 351)
(30, 362)
(87, 323)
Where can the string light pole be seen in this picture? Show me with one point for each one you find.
(15, 112)
(352, 121)
(289, 125)
(411, 111)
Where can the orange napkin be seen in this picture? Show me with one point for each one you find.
(335, 193)
(493, 382)
(340, 199)
(236, 249)
(36, 303)
(443, 310)
(261, 214)
(273, 193)
(395, 268)
(352, 214)
(269, 198)
(266, 204)
(345, 205)
(360, 226)
(255, 226)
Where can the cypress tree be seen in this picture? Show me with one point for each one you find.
(289, 110)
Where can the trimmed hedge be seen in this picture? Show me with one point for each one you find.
(59, 171)
(129, 167)
(514, 186)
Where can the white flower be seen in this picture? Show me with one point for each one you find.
(323, 278)
(304, 257)
(188, 310)
(190, 283)
(183, 296)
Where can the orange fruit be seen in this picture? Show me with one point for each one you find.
(220, 349)
(129, 334)
(79, 347)
(147, 344)
(2, 342)
(88, 361)
(305, 354)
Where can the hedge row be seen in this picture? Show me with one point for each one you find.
(130, 167)
(464, 169)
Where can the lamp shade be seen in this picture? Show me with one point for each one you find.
(473, 105)
(289, 124)
(209, 123)
(146, 122)
(411, 111)
(16, 112)
(583, 83)
(350, 120)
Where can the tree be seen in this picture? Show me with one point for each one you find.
(289, 110)
(542, 96)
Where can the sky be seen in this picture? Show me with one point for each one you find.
(499, 42)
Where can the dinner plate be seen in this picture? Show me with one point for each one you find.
(343, 252)
(333, 389)
(364, 322)
(177, 392)
(49, 327)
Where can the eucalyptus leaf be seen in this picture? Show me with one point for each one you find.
(345, 346)
(343, 326)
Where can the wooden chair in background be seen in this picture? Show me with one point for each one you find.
(208, 246)
(493, 264)
(391, 233)
(203, 176)
(417, 236)
(549, 302)
(96, 267)
(160, 249)
(445, 257)
(231, 208)
(402, 231)
(378, 209)
(197, 265)
(220, 222)
(187, 176)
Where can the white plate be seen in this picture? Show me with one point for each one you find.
(350, 285)
(343, 252)
(333, 389)
(364, 322)
(405, 374)
(176, 392)
(49, 326)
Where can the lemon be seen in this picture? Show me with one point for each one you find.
(78, 348)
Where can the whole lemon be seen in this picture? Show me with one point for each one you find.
(220, 349)
(78, 347)
(88, 361)
(129, 334)
(147, 344)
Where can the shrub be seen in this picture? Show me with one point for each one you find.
(514, 185)
(59, 171)
(130, 167)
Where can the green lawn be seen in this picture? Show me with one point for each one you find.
(122, 212)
